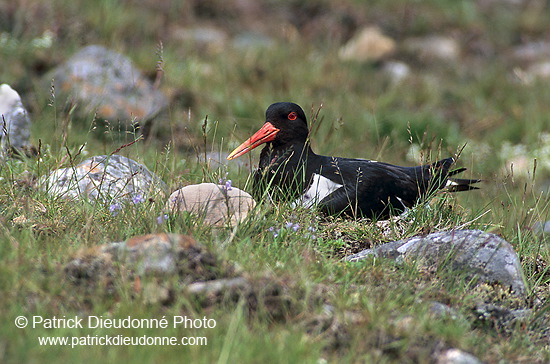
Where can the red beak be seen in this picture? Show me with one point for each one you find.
(266, 134)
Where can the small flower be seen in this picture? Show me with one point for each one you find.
(274, 231)
(310, 233)
(113, 209)
(293, 226)
(137, 199)
(226, 184)
(162, 218)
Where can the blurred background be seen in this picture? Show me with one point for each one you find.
(400, 81)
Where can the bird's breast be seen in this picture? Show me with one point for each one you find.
(319, 188)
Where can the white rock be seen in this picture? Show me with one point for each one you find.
(216, 204)
(17, 122)
(456, 356)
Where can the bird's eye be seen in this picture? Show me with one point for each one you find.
(292, 116)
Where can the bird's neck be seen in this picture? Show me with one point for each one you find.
(299, 152)
(288, 167)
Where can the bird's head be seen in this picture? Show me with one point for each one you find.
(285, 124)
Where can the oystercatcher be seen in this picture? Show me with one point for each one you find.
(290, 170)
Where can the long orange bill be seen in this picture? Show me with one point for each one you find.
(266, 134)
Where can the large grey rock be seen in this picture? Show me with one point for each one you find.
(472, 252)
(218, 205)
(112, 178)
(14, 119)
(103, 81)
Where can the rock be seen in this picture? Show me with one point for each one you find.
(145, 264)
(532, 51)
(368, 45)
(218, 205)
(542, 228)
(152, 254)
(472, 252)
(456, 356)
(397, 71)
(16, 118)
(252, 41)
(534, 72)
(504, 319)
(441, 310)
(112, 179)
(218, 286)
(204, 38)
(433, 48)
(103, 81)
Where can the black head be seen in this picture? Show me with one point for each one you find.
(285, 123)
(291, 121)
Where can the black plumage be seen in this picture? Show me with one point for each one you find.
(290, 170)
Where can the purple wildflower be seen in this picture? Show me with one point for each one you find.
(113, 209)
(228, 186)
(137, 199)
(293, 226)
(274, 231)
(162, 218)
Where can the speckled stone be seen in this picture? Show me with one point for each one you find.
(472, 252)
(112, 178)
(153, 254)
(107, 83)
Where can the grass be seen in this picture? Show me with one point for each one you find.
(312, 306)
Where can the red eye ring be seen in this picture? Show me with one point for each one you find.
(292, 116)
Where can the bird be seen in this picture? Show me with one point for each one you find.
(289, 170)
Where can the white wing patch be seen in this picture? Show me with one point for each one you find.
(450, 183)
(320, 188)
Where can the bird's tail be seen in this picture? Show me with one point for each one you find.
(440, 177)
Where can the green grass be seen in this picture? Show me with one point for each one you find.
(324, 309)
